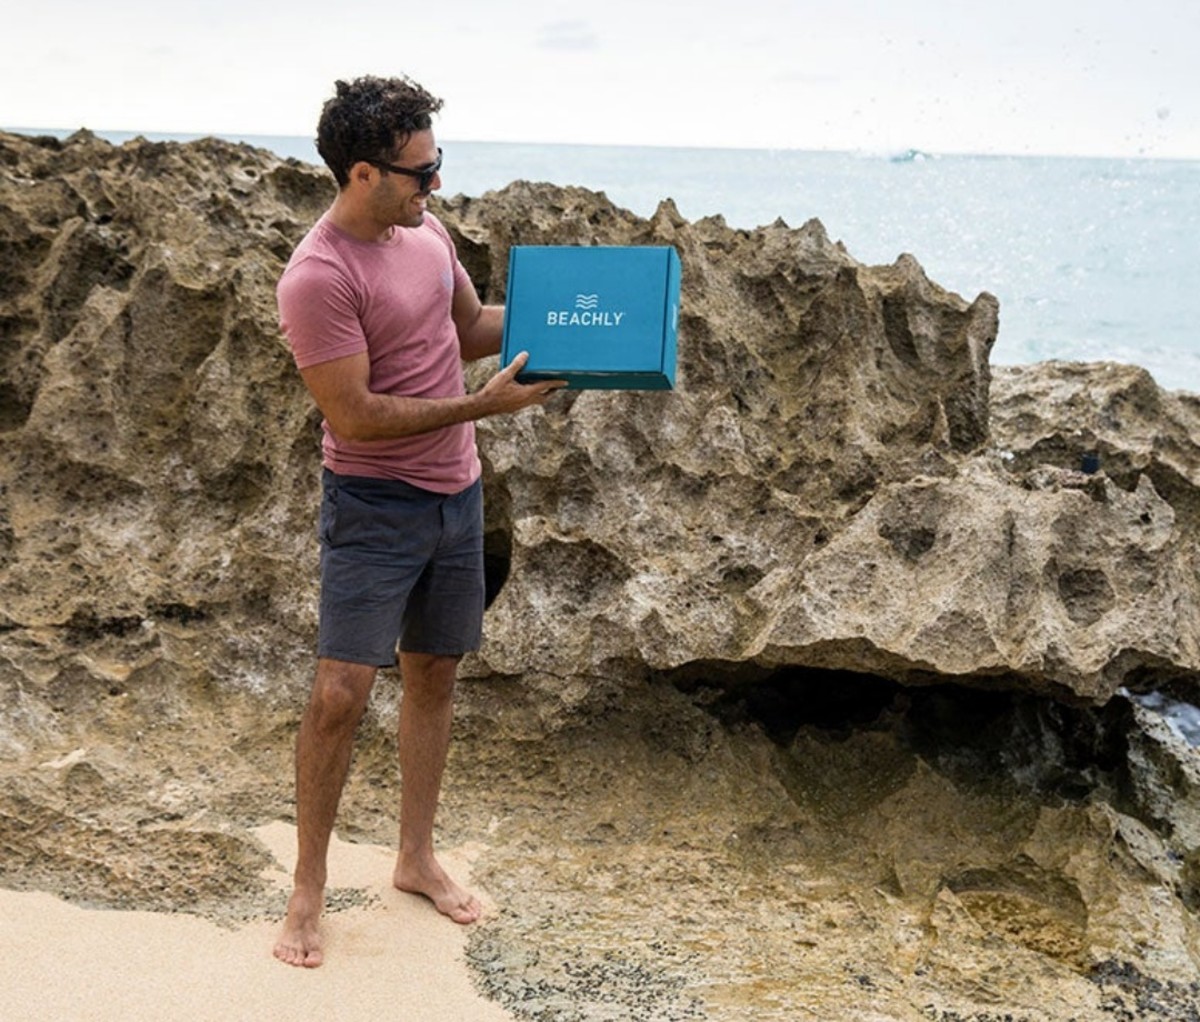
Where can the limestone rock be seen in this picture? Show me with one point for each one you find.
(823, 489)
(1101, 417)
(724, 620)
(157, 444)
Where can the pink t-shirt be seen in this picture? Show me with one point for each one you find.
(340, 296)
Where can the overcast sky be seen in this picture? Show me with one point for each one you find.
(1086, 77)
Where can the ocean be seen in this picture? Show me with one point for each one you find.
(1090, 258)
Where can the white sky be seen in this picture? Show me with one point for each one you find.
(1078, 77)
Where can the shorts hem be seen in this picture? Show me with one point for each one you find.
(439, 652)
(365, 659)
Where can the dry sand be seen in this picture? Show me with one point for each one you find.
(394, 957)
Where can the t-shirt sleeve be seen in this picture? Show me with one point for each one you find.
(461, 277)
(318, 313)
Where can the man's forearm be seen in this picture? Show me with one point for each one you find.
(341, 388)
(356, 413)
(387, 417)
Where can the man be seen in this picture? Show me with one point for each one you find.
(380, 314)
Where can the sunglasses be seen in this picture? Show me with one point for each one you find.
(424, 175)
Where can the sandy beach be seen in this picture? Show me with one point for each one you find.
(392, 957)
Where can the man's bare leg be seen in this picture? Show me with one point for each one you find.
(426, 712)
(323, 748)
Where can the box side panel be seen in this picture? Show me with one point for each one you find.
(507, 351)
(671, 317)
(602, 381)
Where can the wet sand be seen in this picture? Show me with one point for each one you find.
(392, 957)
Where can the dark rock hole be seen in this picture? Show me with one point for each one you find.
(980, 738)
(85, 626)
(497, 561)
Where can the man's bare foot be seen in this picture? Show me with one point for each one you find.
(300, 942)
(425, 876)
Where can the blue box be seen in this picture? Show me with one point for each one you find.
(603, 317)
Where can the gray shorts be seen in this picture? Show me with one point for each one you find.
(399, 563)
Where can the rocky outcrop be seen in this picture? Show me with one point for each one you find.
(829, 641)
(157, 448)
(822, 489)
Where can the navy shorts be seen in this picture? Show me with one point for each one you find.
(399, 564)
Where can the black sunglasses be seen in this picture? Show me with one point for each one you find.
(424, 175)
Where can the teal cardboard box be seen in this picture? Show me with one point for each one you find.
(601, 317)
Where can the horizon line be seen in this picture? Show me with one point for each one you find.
(904, 153)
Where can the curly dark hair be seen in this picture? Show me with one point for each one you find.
(369, 119)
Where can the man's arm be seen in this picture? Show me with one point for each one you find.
(480, 327)
(354, 412)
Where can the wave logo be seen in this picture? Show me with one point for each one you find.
(587, 313)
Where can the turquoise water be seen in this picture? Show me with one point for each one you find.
(1090, 258)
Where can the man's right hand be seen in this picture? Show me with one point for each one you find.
(504, 394)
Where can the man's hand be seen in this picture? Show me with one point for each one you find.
(504, 394)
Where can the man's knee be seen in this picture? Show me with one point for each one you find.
(340, 692)
(427, 675)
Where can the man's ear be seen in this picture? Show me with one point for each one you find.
(362, 174)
